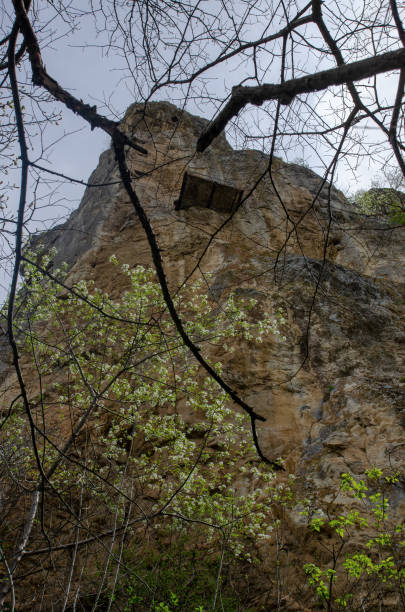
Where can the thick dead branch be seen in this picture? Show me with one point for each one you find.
(286, 92)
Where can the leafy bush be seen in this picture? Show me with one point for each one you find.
(373, 572)
(382, 202)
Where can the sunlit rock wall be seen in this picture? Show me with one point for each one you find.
(331, 391)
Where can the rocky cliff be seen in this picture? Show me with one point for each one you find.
(332, 390)
(332, 393)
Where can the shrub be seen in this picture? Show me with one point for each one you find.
(382, 202)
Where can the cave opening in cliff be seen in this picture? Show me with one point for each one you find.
(207, 193)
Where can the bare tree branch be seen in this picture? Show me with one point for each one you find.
(287, 91)
(41, 77)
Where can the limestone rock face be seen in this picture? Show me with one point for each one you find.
(332, 391)
(332, 386)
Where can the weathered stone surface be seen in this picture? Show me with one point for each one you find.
(84, 228)
(333, 391)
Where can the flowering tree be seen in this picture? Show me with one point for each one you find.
(129, 440)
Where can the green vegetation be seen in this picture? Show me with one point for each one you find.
(382, 202)
(161, 457)
(180, 578)
(373, 570)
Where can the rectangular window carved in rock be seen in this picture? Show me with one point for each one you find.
(206, 193)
